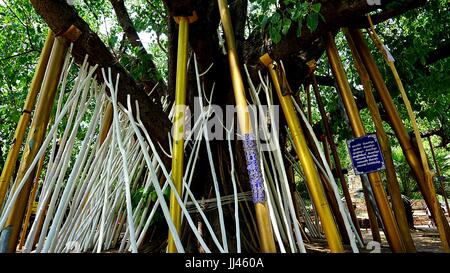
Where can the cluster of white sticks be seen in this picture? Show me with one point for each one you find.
(85, 200)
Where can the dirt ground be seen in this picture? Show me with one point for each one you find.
(426, 240)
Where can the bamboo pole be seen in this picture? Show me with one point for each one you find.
(331, 198)
(438, 170)
(338, 217)
(393, 186)
(262, 213)
(312, 176)
(390, 225)
(26, 221)
(38, 128)
(24, 120)
(178, 127)
(419, 166)
(337, 162)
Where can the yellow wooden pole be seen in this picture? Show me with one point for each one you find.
(438, 170)
(26, 221)
(312, 176)
(393, 186)
(390, 225)
(178, 127)
(24, 120)
(10, 232)
(267, 241)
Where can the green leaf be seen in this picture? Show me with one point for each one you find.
(286, 25)
(167, 193)
(276, 18)
(153, 196)
(303, 7)
(275, 35)
(312, 21)
(316, 7)
(264, 22)
(293, 13)
(422, 60)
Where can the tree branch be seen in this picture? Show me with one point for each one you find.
(133, 37)
(325, 80)
(17, 55)
(387, 14)
(23, 24)
(337, 14)
(433, 56)
(126, 24)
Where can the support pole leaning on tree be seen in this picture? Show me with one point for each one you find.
(391, 176)
(328, 189)
(312, 176)
(390, 225)
(31, 199)
(267, 241)
(24, 120)
(178, 124)
(10, 231)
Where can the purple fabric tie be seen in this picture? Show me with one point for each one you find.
(254, 172)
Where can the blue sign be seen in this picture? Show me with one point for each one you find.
(365, 154)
